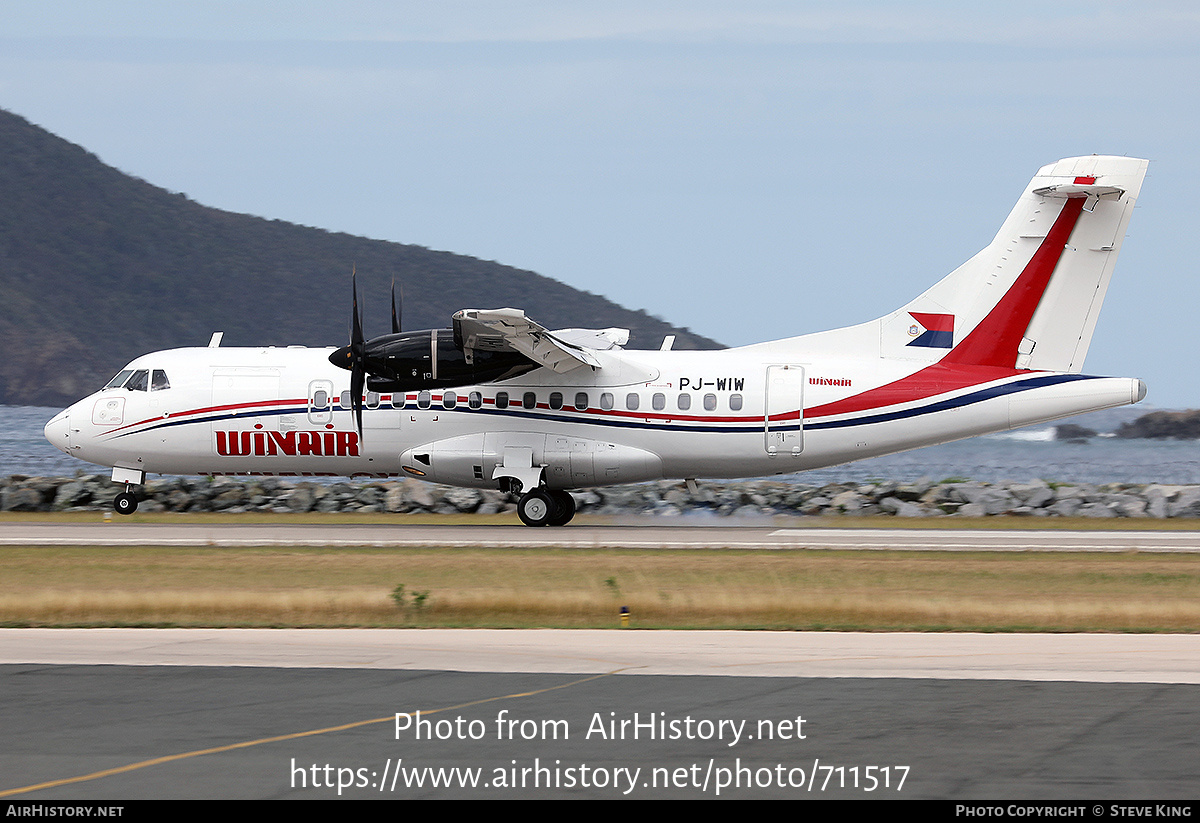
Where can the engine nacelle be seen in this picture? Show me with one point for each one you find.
(484, 460)
(430, 359)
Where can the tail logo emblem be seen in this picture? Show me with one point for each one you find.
(938, 330)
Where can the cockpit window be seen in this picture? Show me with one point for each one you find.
(159, 381)
(119, 381)
(139, 381)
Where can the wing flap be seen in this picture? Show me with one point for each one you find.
(510, 330)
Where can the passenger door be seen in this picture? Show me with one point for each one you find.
(783, 415)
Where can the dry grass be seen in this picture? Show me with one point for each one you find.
(58, 586)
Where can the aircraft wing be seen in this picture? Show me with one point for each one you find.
(511, 330)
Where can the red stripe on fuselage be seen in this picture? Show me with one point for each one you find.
(176, 415)
(928, 382)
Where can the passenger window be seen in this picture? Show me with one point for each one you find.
(710, 402)
(449, 399)
(372, 401)
(684, 402)
(556, 400)
(658, 401)
(735, 402)
(606, 400)
(321, 399)
(139, 381)
(632, 401)
(581, 400)
(159, 381)
(344, 400)
(502, 400)
(529, 400)
(424, 400)
(475, 400)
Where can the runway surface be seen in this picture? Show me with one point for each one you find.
(125, 714)
(1100, 658)
(1078, 658)
(587, 535)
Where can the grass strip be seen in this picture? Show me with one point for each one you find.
(585, 588)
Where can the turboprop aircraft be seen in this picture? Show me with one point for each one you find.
(498, 401)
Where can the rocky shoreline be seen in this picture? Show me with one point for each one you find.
(757, 498)
(1163, 425)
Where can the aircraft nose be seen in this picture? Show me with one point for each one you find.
(58, 431)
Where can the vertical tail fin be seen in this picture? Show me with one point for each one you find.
(1029, 300)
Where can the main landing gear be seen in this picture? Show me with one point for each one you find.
(540, 507)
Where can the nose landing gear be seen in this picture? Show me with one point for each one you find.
(126, 502)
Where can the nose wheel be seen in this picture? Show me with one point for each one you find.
(125, 502)
(539, 507)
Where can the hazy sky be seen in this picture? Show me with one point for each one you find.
(752, 170)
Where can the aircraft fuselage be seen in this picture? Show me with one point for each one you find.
(749, 412)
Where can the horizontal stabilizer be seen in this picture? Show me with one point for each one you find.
(1083, 190)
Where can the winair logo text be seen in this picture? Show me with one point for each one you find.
(266, 443)
(829, 381)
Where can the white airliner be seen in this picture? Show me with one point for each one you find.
(498, 401)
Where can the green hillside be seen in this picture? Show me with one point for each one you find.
(97, 267)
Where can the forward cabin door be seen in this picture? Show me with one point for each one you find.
(783, 416)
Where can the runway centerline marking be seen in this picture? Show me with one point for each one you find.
(142, 764)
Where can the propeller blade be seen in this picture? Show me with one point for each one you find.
(358, 377)
(395, 313)
(356, 332)
(358, 357)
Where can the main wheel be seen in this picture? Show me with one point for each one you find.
(535, 508)
(564, 508)
(125, 503)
